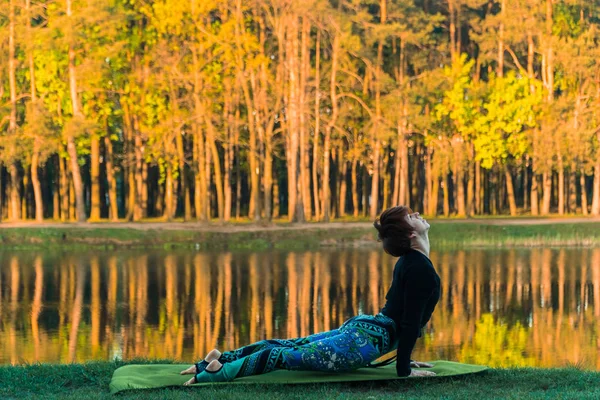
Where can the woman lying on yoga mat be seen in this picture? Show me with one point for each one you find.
(410, 301)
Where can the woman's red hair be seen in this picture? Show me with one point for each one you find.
(394, 230)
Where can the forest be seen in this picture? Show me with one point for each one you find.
(309, 110)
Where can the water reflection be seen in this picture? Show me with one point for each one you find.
(536, 307)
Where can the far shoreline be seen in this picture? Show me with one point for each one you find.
(280, 224)
(244, 235)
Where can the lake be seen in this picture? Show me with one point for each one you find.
(510, 307)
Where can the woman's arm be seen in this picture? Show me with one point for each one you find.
(419, 286)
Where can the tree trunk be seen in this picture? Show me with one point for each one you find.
(435, 192)
(72, 200)
(572, 205)
(238, 182)
(198, 201)
(397, 167)
(458, 178)
(534, 191)
(95, 178)
(378, 115)
(413, 187)
(500, 70)
(15, 198)
(452, 29)
(37, 188)
(210, 141)
(428, 181)
(446, 196)
(64, 190)
(403, 197)
(201, 186)
(24, 197)
(145, 190)
(55, 194)
(547, 195)
(159, 203)
(365, 198)
(131, 191)
(228, 161)
(2, 204)
(460, 181)
(202, 199)
(550, 59)
(493, 190)
(325, 204)
(253, 155)
(128, 168)
(113, 207)
(471, 183)
(478, 189)
(501, 187)
(268, 178)
(561, 186)
(386, 180)
(374, 206)
(303, 108)
(354, 177)
(317, 135)
(343, 186)
(526, 178)
(596, 191)
(184, 192)
(208, 176)
(292, 139)
(275, 197)
(71, 148)
(138, 172)
(168, 211)
(584, 200)
(335, 182)
(510, 191)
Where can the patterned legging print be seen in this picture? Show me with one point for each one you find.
(359, 341)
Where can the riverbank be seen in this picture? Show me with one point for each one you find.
(445, 233)
(90, 381)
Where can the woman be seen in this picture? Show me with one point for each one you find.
(410, 301)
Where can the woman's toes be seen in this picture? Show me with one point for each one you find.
(214, 365)
(190, 370)
(190, 382)
(214, 354)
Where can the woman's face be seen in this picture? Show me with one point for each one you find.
(419, 224)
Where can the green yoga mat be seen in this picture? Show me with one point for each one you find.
(162, 375)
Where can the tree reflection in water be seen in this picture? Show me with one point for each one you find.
(517, 307)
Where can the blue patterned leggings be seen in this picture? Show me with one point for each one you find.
(359, 341)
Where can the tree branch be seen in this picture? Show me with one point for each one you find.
(515, 60)
(359, 100)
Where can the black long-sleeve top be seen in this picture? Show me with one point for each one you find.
(412, 297)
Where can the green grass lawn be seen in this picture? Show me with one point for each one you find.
(443, 235)
(90, 381)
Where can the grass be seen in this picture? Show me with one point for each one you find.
(90, 381)
(443, 235)
(77, 237)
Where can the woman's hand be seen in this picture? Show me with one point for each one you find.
(419, 364)
(421, 373)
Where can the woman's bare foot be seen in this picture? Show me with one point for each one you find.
(214, 354)
(190, 382)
